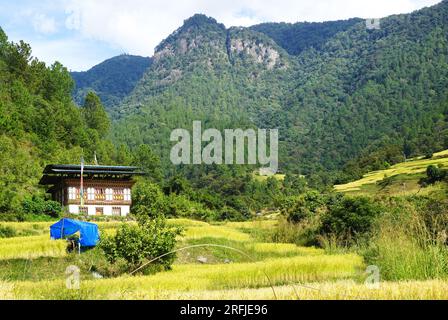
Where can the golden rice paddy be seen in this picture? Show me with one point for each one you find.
(294, 273)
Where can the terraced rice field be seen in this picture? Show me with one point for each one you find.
(412, 167)
(272, 271)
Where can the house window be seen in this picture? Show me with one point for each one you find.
(109, 194)
(100, 194)
(91, 194)
(118, 194)
(83, 210)
(72, 193)
(99, 211)
(127, 194)
(116, 211)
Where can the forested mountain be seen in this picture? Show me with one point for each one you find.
(227, 78)
(111, 80)
(345, 99)
(297, 37)
(348, 92)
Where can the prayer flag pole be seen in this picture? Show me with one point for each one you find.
(81, 192)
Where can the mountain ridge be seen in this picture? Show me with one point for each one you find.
(354, 92)
(112, 79)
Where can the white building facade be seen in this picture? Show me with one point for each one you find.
(105, 190)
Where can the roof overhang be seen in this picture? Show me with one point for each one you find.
(54, 174)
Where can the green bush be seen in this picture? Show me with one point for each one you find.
(305, 206)
(7, 232)
(231, 214)
(136, 244)
(38, 206)
(148, 200)
(350, 218)
(433, 175)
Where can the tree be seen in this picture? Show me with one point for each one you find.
(434, 174)
(149, 162)
(350, 217)
(136, 244)
(95, 115)
(148, 200)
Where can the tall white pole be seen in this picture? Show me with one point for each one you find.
(81, 191)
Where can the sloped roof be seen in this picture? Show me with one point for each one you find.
(53, 173)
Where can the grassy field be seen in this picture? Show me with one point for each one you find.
(404, 178)
(279, 177)
(33, 267)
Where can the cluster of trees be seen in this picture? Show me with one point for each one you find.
(348, 219)
(297, 37)
(221, 194)
(40, 124)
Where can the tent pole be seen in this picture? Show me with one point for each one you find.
(62, 229)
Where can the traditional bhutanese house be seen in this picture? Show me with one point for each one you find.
(106, 189)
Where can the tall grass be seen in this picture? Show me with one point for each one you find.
(31, 247)
(334, 290)
(409, 247)
(28, 228)
(216, 232)
(279, 271)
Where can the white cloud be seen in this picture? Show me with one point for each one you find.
(75, 54)
(43, 24)
(98, 29)
(137, 26)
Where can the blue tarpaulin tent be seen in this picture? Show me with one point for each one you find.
(89, 234)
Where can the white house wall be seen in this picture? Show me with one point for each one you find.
(125, 210)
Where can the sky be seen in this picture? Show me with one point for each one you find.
(83, 33)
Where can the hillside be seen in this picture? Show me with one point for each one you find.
(400, 179)
(297, 37)
(39, 123)
(360, 90)
(111, 80)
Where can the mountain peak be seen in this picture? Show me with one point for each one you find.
(200, 20)
(196, 31)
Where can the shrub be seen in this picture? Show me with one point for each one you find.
(350, 218)
(301, 234)
(239, 204)
(148, 200)
(38, 206)
(7, 232)
(52, 209)
(405, 249)
(231, 214)
(434, 174)
(137, 243)
(304, 206)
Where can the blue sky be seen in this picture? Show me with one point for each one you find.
(82, 33)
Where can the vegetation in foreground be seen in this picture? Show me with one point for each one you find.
(295, 272)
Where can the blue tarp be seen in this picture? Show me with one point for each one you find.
(89, 234)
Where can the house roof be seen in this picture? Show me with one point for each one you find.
(53, 173)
